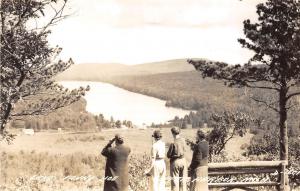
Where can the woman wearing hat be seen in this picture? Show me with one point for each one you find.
(157, 170)
(199, 164)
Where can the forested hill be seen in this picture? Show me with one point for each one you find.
(98, 72)
(186, 90)
(189, 90)
(179, 84)
(175, 81)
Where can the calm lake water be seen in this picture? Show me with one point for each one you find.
(125, 105)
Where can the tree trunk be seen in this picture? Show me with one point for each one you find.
(5, 118)
(283, 142)
(10, 106)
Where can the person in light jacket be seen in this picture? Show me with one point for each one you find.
(178, 167)
(157, 171)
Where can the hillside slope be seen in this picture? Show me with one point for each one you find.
(186, 90)
(180, 85)
(98, 72)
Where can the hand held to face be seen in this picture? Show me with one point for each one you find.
(111, 141)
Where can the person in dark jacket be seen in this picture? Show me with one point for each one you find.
(116, 169)
(178, 167)
(199, 164)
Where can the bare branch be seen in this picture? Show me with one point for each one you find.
(56, 18)
(263, 87)
(292, 95)
(269, 105)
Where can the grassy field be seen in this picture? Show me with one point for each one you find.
(69, 142)
(76, 154)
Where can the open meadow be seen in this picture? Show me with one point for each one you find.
(72, 160)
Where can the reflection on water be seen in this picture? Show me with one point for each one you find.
(125, 105)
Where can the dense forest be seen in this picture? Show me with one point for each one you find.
(181, 86)
(188, 90)
(71, 118)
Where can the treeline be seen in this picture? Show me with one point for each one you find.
(188, 90)
(185, 90)
(72, 117)
(106, 124)
(265, 120)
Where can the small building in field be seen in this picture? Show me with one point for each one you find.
(140, 127)
(28, 131)
(123, 127)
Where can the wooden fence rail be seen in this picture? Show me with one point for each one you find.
(231, 169)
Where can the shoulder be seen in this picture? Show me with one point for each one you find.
(171, 144)
(203, 144)
(123, 147)
(112, 149)
(162, 144)
(154, 145)
(182, 140)
(127, 148)
(159, 144)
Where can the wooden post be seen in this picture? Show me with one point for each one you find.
(284, 186)
(250, 167)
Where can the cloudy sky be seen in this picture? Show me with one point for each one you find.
(139, 31)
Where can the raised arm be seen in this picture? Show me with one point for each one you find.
(106, 151)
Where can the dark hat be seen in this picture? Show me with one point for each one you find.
(119, 138)
(200, 134)
(175, 130)
(157, 134)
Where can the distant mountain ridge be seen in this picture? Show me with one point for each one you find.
(100, 72)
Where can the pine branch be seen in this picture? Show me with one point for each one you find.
(265, 103)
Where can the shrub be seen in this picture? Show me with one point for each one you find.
(137, 165)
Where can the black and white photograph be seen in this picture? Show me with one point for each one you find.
(150, 95)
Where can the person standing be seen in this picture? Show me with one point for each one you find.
(178, 168)
(157, 171)
(116, 169)
(199, 164)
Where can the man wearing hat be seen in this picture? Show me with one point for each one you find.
(178, 168)
(116, 169)
(157, 171)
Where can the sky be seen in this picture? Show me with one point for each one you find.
(141, 31)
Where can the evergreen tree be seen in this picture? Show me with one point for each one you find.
(118, 124)
(275, 66)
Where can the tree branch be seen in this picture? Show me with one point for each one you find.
(292, 95)
(41, 111)
(263, 87)
(56, 18)
(265, 103)
(225, 142)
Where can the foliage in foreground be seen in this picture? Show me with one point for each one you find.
(42, 171)
(28, 63)
(264, 146)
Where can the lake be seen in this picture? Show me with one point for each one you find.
(125, 105)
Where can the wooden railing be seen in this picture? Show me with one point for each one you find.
(232, 169)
